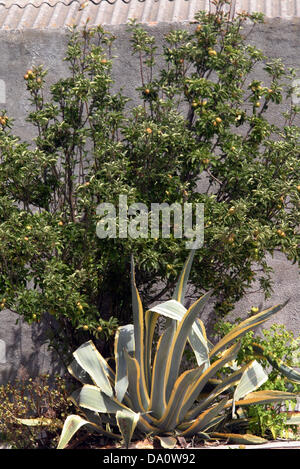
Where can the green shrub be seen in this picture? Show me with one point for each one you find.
(201, 116)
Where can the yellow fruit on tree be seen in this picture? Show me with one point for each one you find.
(281, 233)
(212, 52)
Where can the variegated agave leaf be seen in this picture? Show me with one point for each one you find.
(148, 392)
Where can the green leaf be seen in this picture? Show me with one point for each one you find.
(40, 421)
(204, 420)
(246, 439)
(79, 373)
(293, 419)
(150, 323)
(181, 286)
(174, 310)
(127, 422)
(92, 398)
(139, 332)
(290, 373)
(73, 423)
(253, 377)
(228, 381)
(170, 419)
(136, 385)
(92, 362)
(245, 326)
(179, 342)
(157, 397)
(265, 397)
(199, 384)
(124, 340)
(167, 442)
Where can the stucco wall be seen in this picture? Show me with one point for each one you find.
(19, 50)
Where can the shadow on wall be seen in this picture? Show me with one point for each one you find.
(24, 350)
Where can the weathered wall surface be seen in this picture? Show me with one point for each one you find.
(20, 50)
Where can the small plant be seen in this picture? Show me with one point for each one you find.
(279, 348)
(39, 404)
(149, 393)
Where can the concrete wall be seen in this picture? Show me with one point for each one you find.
(20, 50)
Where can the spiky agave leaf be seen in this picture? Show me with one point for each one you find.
(174, 310)
(127, 421)
(73, 423)
(290, 373)
(124, 341)
(249, 324)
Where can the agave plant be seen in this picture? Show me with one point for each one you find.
(146, 391)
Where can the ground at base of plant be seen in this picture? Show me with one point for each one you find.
(182, 444)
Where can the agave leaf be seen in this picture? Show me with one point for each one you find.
(193, 392)
(124, 340)
(179, 342)
(136, 385)
(245, 326)
(73, 423)
(265, 397)
(79, 373)
(40, 422)
(139, 329)
(169, 419)
(88, 357)
(290, 373)
(197, 337)
(213, 423)
(167, 442)
(253, 377)
(204, 420)
(127, 421)
(199, 343)
(171, 309)
(92, 398)
(181, 286)
(150, 323)
(157, 397)
(146, 427)
(229, 381)
(294, 419)
(246, 439)
(93, 417)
